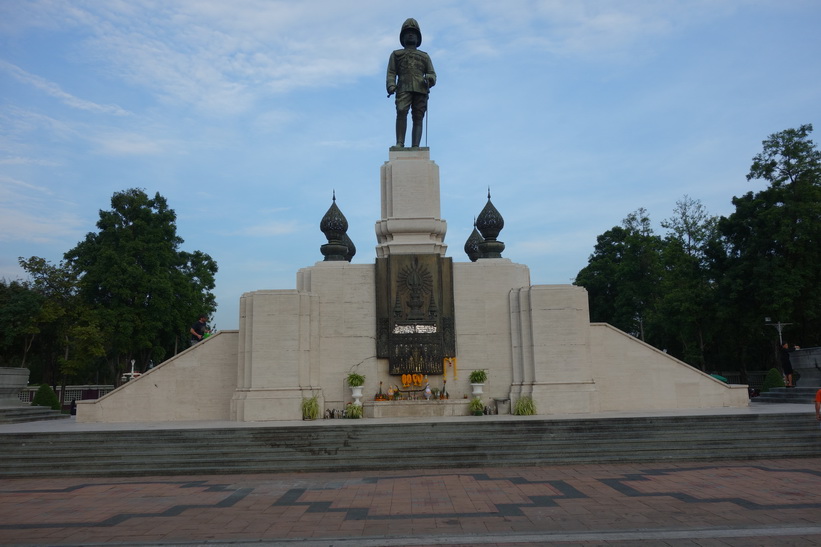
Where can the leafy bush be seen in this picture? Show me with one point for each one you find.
(476, 405)
(310, 407)
(478, 377)
(45, 396)
(524, 406)
(353, 411)
(355, 380)
(774, 378)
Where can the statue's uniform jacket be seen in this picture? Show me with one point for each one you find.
(415, 71)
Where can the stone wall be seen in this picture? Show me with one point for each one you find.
(532, 340)
(196, 384)
(632, 375)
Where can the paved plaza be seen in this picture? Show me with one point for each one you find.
(761, 502)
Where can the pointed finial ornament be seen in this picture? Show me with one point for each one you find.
(335, 227)
(490, 223)
(472, 243)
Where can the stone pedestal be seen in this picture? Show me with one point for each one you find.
(807, 363)
(12, 381)
(410, 221)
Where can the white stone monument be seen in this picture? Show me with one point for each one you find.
(291, 344)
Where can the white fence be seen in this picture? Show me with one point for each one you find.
(73, 393)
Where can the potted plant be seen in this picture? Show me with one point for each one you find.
(477, 380)
(310, 407)
(476, 406)
(355, 382)
(524, 406)
(353, 411)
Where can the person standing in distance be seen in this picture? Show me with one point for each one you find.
(410, 76)
(199, 329)
(786, 365)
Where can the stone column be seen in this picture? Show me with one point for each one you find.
(410, 222)
(551, 348)
(12, 382)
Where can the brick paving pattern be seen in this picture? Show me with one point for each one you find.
(726, 503)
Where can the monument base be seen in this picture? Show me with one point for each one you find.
(411, 220)
(416, 409)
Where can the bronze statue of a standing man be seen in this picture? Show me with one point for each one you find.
(410, 76)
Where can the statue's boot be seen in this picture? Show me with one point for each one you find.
(416, 134)
(401, 129)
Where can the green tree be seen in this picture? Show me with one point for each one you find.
(19, 309)
(70, 340)
(685, 314)
(772, 251)
(623, 273)
(705, 290)
(144, 290)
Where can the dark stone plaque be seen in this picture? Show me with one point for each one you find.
(414, 313)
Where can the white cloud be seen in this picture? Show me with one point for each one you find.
(36, 227)
(19, 160)
(54, 90)
(27, 215)
(268, 229)
(8, 185)
(128, 144)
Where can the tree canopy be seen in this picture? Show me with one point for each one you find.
(144, 289)
(703, 290)
(126, 291)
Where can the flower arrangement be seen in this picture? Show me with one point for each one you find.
(418, 380)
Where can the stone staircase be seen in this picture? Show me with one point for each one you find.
(802, 395)
(15, 414)
(369, 445)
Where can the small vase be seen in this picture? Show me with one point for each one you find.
(477, 389)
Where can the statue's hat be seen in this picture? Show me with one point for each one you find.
(410, 24)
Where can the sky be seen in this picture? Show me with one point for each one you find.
(248, 115)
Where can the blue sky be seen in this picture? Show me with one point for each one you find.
(247, 115)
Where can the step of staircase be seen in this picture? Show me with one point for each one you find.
(368, 445)
(798, 395)
(16, 415)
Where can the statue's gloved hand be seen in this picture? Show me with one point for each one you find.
(431, 80)
(391, 90)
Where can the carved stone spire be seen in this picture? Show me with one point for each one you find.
(490, 223)
(335, 227)
(351, 248)
(472, 244)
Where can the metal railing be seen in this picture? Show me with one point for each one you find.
(73, 393)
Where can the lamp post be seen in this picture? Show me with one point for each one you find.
(779, 326)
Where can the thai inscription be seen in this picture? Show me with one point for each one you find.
(414, 301)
